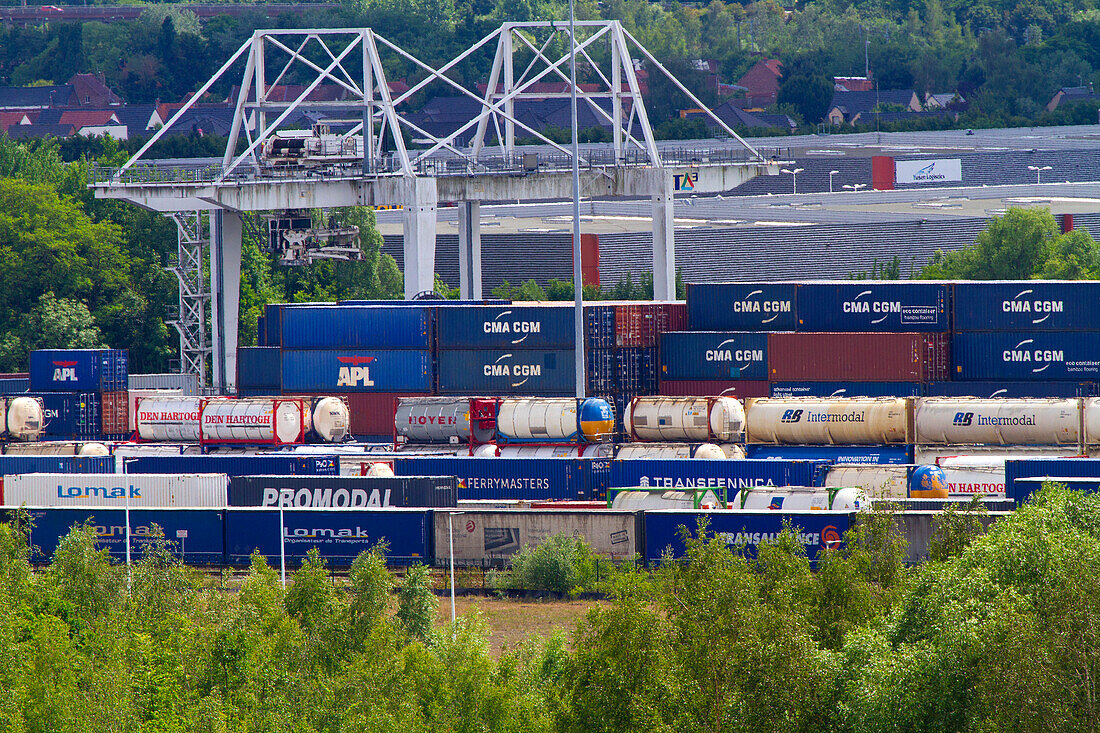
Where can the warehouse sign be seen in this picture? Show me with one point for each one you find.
(928, 171)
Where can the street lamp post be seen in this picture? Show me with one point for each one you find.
(1038, 171)
(831, 174)
(451, 539)
(794, 177)
(854, 186)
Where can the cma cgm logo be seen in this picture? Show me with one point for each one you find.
(872, 307)
(504, 323)
(517, 373)
(963, 419)
(790, 416)
(1046, 357)
(770, 308)
(354, 371)
(64, 371)
(1020, 304)
(743, 356)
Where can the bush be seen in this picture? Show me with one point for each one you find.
(559, 563)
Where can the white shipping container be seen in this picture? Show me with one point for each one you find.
(138, 491)
(925, 454)
(956, 421)
(829, 420)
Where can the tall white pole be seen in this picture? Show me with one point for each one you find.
(282, 546)
(451, 538)
(578, 281)
(129, 569)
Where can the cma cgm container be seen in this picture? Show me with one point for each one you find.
(505, 327)
(816, 530)
(740, 388)
(259, 367)
(515, 478)
(1028, 305)
(874, 306)
(201, 491)
(506, 372)
(342, 492)
(714, 355)
(1011, 389)
(339, 535)
(845, 389)
(257, 465)
(357, 371)
(716, 474)
(858, 357)
(741, 307)
(72, 414)
(1016, 471)
(13, 464)
(79, 370)
(1035, 355)
(355, 327)
(835, 454)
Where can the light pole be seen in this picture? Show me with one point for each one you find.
(831, 174)
(578, 273)
(451, 539)
(794, 177)
(1038, 171)
(854, 186)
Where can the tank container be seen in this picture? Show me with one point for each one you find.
(949, 420)
(25, 417)
(719, 419)
(830, 421)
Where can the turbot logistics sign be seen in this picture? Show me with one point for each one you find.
(928, 171)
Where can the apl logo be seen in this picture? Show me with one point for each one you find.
(963, 419)
(64, 371)
(354, 375)
(830, 537)
(790, 416)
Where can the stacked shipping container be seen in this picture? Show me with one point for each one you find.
(83, 391)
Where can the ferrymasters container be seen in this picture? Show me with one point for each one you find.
(543, 327)
(714, 355)
(741, 307)
(248, 465)
(840, 455)
(1033, 355)
(516, 478)
(955, 420)
(1011, 390)
(865, 306)
(356, 327)
(715, 474)
(830, 421)
(206, 491)
(342, 492)
(357, 370)
(1027, 305)
(514, 371)
(845, 389)
(859, 357)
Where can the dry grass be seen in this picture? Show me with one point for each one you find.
(513, 620)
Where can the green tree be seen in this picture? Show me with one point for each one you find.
(416, 604)
(1013, 247)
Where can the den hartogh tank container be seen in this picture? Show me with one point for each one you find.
(250, 421)
(677, 419)
(829, 421)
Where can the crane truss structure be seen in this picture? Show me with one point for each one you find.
(194, 298)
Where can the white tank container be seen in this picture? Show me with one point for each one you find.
(259, 420)
(600, 450)
(134, 396)
(954, 421)
(927, 454)
(708, 451)
(876, 481)
(635, 500)
(829, 420)
(1092, 421)
(974, 475)
(543, 419)
(433, 419)
(168, 419)
(331, 419)
(138, 491)
(57, 448)
(379, 469)
(685, 419)
(25, 418)
(797, 498)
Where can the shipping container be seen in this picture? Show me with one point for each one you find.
(845, 389)
(1036, 355)
(79, 370)
(14, 385)
(1083, 472)
(187, 384)
(197, 536)
(357, 371)
(717, 474)
(259, 368)
(515, 478)
(713, 355)
(498, 534)
(858, 357)
(115, 413)
(835, 454)
(741, 388)
(602, 370)
(745, 531)
(999, 421)
(17, 464)
(372, 413)
(250, 465)
(874, 306)
(543, 327)
(512, 372)
(1011, 390)
(342, 492)
(356, 327)
(1027, 305)
(196, 491)
(433, 303)
(741, 307)
(339, 535)
(72, 414)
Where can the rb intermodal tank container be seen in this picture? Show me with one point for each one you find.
(79, 370)
(741, 307)
(255, 465)
(1027, 355)
(200, 491)
(515, 478)
(830, 421)
(714, 355)
(356, 327)
(544, 327)
(706, 474)
(951, 420)
(1027, 305)
(874, 306)
(858, 357)
(342, 492)
(506, 372)
(360, 370)
(1011, 389)
(845, 389)
(432, 419)
(674, 419)
(836, 454)
(740, 388)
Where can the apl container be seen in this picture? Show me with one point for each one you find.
(741, 307)
(254, 465)
(357, 371)
(78, 370)
(511, 372)
(1027, 355)
(830, 421)
(356, 327)
(433, 419)
(715, 474)
(115, 490)
(713, 355)
(874, 306)
(1027, 305)
(858, 357)
(952, 420)
(839, 455)
(543, 327)
(675, 419)
(845, 389)
(342, 492)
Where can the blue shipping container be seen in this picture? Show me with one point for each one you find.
(15, 463)
(874, 306)
(741, 307)
(538, 479)
(599, 326)
(1029, 305)
(79, 370)
(70, 414)
(14, 385)
(1011, 389)
(417, 304)
(896, 455)
(357, 371)
(510, 372)
(818, 530)
(196, 535)
(1026, 355)
(688, 473)
(356, 327)
(261, 465)
(259, 367)
(505, 327)
(338, 535)
(1020, 490)
(714, 355)
(846, 389)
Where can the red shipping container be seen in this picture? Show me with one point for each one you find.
(372, 412)
(859, 357)
(115, 412)
(740, 388)
(674, 317)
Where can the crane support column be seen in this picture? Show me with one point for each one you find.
(469, 250)
(225, 284)
(664, 234)
(420, 204)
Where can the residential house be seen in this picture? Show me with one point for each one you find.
(82, 90)
(945, 100)
(847, 107)
(736, 117)
(1066, 95)
(853, 83)
(761, 83)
